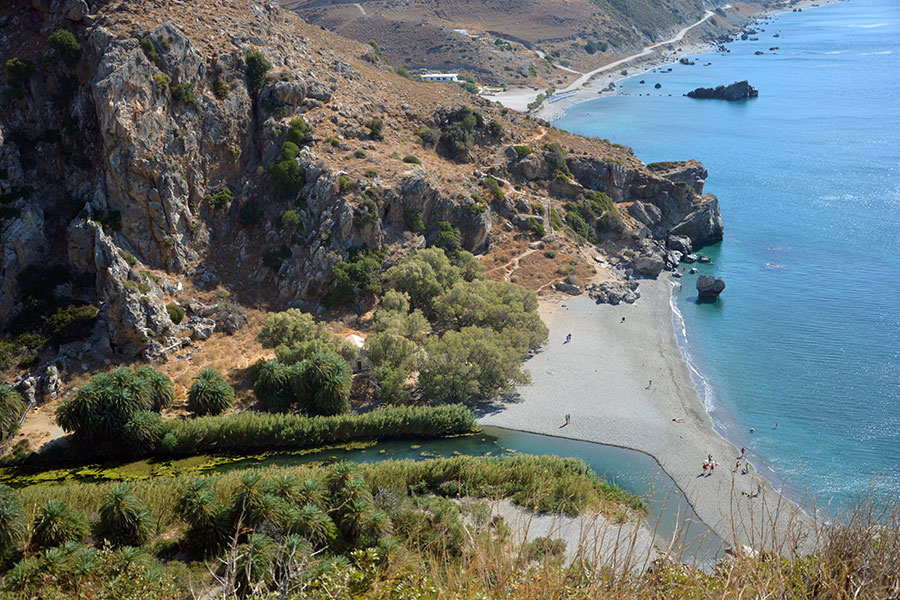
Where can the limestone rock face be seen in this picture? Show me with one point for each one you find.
(23, 241)
(679, 243)
(739, 90)
(131, 307)
(709, 286)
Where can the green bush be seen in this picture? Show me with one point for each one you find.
(248, 431)
(220, 198)
(427, 136)
(123, 518)
(162, 81)
(12, 405)
(495, 128)
(299, 132)
(376, 128)
(65, 45)
(286, 175)
(522, 151)
(19, 71)
(176, 313)
(359, 153)
(184, 93)
(344, 182)
(291, 221)
(424, 276)
(409, 158)
(210, 394)
(149, 49)
(356, 277)
(493, 187)
(458, 137)
(555, 156)
(56, 523)
(413, 220)
(257, 67)
(448, 238)
(220, 89)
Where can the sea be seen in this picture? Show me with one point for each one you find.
(799, 359)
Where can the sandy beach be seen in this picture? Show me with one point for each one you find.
(602, 378)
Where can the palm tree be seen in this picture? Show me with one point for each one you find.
(210, 394)
(56, 523)
(12, 518)
(314, 525)
(124, 520)
(162, 390)
(325, 384)
(11, 408)
(143, 432)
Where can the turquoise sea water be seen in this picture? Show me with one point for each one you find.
(807, 332)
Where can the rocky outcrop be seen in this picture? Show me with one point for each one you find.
(568, 288)
(709, 287)
(739, 90)
(614, 292)
(132, 315)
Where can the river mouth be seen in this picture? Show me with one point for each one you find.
(669, 514)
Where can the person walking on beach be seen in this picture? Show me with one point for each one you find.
(568, 338)
(650, 384)
(568, 418)
(623, 319)
(742, 453)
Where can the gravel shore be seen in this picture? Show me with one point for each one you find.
(602, 378)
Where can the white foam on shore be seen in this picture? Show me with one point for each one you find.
(701, 383)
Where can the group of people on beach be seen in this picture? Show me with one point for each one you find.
(751, 494)
(709, 465)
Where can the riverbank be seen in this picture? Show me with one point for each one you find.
(599, 82)
(624, 381)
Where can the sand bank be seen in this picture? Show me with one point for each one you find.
(626, 383)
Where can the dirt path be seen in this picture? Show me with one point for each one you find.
(513, 264)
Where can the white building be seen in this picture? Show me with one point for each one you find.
(440, 77)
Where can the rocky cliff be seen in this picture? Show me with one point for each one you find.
(153, 148)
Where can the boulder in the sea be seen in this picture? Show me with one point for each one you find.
(759, 53)
(658, 85)
(709, 286)
(703, 259)
(739, 90)
(689, 258)
(693, 271)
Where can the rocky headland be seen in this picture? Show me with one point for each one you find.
(739, 90)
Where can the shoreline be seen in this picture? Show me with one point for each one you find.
(601, 379)
(597, 86)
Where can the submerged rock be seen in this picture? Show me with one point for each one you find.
(739, 90)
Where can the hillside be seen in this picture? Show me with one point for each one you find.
(502, 43)
(137, 172)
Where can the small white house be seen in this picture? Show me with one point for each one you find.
(440, 77)
(362, 360)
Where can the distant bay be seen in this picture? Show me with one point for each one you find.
(807, 333)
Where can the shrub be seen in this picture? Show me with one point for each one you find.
(555, 156)
(19, 70)
(293, 332)
(299, 132)
(355, 278)
(493, 187)
(448, 238)
(162, 81)
(250, 214)
(409, 158)
(176, 313)
(359, 153)
(257, 67)
(220, 89)
(550, 253)
(210, 394)
(65, 45)
(458, 137)
(376, 128)
(344, 182)
(220, 198)
(292, 222)
(468, 86)
(12, 519)
(56, 523)
(495, 128)
(427, 136)
(413, 220)
(522, 151)
(149, 49)
(184, 93)
(286, 175)
(12, 405)
(257, 431)
(123, 518)
(542, 548)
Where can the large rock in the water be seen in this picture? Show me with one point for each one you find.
(709, 286)
(739, 90)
